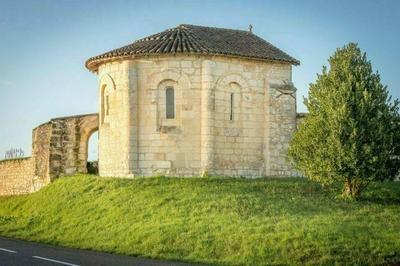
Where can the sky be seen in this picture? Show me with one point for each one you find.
(45, 43)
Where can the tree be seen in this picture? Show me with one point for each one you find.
(352, 131)
(14, 153)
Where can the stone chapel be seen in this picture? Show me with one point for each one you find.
(195, 100)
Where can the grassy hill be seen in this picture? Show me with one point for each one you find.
(210, 220)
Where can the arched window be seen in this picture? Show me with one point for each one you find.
(103, 106)
(231, 107)
(170, 103)
(107, 87)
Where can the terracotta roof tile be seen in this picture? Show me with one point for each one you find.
(191, 39)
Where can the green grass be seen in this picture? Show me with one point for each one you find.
(211, 220)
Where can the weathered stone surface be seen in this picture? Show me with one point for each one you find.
(17, 176)
(204, 136)
(59, 148)
(68, 144)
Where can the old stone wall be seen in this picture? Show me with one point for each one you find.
(17, 176)
(41, 136)
(67, 145)
(280, 126)
(136, 138)
(59, 148)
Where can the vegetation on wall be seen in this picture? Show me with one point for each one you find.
(352, 132)
(287, 221)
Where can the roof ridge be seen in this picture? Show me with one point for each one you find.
(165, 34)
(216, 28)
(198, 41)
(151, 37)
(185, 26)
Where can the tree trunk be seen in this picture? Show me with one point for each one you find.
(351, 189)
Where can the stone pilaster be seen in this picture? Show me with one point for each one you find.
(133, 118)
(125, 100)
(207, 117)
(267, 128)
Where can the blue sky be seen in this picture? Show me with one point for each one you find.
(44, 44)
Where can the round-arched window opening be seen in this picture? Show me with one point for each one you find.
(92, 164)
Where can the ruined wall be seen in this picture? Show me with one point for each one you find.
(137, 139)
(41, 136)
(68, 144)
(59, 148)
(280, 126)
(16, 176)
(27, 175)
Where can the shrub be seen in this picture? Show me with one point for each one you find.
(92, 167)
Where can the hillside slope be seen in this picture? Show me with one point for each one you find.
(218, 221)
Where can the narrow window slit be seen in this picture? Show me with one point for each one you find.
(170, 103)
(231, 111)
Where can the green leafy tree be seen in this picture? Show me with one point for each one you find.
(352, 131)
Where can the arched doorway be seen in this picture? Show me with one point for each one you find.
(88, 150)
(92, 162)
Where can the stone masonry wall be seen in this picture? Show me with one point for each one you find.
(41, 151)
(281, 124)
(169, 146)
(16, 176)
(115, 96)
(59, 148)
(68, 144)
(137, 139)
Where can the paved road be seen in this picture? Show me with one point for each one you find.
(18, 252)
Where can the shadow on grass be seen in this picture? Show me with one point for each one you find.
(384, 193)
(380, 200)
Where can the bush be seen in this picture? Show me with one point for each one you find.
(92, 167)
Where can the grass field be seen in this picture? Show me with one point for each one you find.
(211, 220)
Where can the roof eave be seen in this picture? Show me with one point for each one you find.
(92, 64)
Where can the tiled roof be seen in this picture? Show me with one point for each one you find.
(191, 39)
